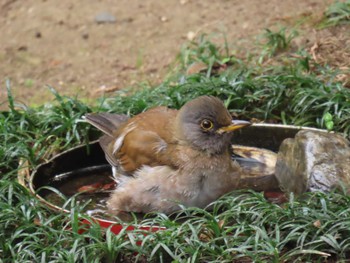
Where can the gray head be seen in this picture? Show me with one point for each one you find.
(206, 124)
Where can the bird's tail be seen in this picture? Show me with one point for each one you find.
(106, 122)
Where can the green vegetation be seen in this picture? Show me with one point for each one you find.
(243, 226)
(277, 41)
(337, 13)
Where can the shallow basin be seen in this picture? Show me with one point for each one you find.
(85, 170)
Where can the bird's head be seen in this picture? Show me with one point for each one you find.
(205, 124)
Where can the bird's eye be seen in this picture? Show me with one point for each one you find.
(206, 124)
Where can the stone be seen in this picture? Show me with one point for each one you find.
(105, 17)
(313, 161)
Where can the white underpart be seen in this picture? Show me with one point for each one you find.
(115, 174)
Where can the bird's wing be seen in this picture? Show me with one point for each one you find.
(131, 150)
(141, 140)
(145, 139)
(106, 122)
(106, 143)
(139, 148)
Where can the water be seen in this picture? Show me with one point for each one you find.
(91, 187)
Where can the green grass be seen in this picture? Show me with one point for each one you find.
(242, 227)
(337, 14)
(205, 51)
(276, 42)
(287, 94)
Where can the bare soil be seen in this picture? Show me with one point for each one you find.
(59, 43)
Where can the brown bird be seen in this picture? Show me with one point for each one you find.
(164, 157)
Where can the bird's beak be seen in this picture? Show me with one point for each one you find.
(235, 125)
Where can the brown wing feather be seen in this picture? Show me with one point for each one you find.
(106, 122)
(142, 148)
(106, 143)
(149, 142)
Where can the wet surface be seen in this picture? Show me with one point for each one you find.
(91, 186)
(84, 173)
(88, 186)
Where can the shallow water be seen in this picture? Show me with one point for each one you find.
(90, 187)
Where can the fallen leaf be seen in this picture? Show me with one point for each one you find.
(37, 222)
(91, 188)
(196, 67)
(276, 197)
(221, 223)
(109, 186)
(317, 223)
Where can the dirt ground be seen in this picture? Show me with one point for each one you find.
(60, 43)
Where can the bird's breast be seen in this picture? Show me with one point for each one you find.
(208, 179)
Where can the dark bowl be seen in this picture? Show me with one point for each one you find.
(86, 165)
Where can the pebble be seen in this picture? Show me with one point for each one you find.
(85, 35)
(191, 35)
(105, 17)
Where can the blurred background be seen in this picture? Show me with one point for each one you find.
(90, 48)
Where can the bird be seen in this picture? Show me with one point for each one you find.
(165, 159)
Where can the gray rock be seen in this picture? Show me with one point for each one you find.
(105, 17)
(313, 161)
